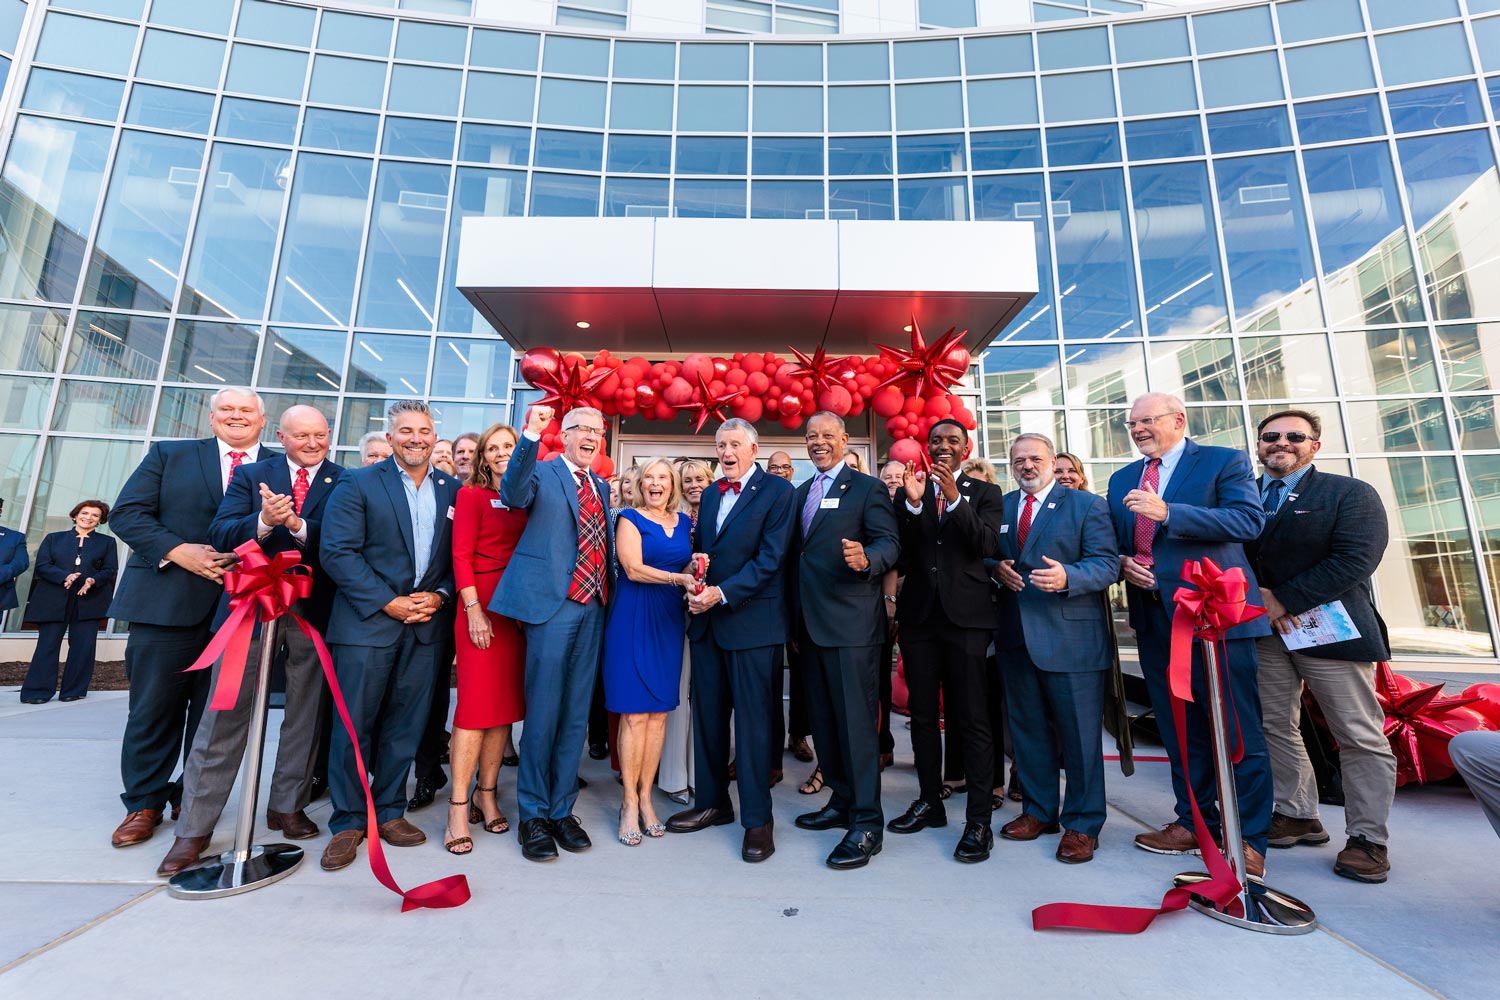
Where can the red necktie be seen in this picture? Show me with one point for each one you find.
(299, 490)
(236, 459)
(1145, 528)
(1025, 528)
(725, 486)
(588, 572)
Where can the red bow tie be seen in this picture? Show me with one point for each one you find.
(725, 486)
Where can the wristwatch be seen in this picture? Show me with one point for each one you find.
(889, 597)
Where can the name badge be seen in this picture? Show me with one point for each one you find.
(450, 513)
(497, 503)
(1004, 528)
(829, 503)
(1051, 505)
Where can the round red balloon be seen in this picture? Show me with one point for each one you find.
(791, 406)
(836, 399)
(751, 408)
(906, 450)
(696, 366)
(1488, 704)
(679, 392)
(604, 465)
(888, 402)
(540, 362)
(645, 397)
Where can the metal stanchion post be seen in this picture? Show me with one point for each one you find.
(249, 865)
(1264, 909)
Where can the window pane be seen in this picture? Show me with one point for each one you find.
(640, 154)
(1178, 246)
(564, 195)
(1248, 79)
(320, 252)
(576, 56)
(215, 353)
(866, 199)
(915, 60)
(303, 359)
(504, 49)
(1413, 56)
(388, 363)
(478, 193)
(930, 154)
(1444, 106)
(1076, 96)
(498, 144)
(1020, 150)
(1343, 118)
(138, 252)
(1201, 371)
(699, 61)
(1093, 254)
(369, 36)
(424, 90)
(1166, 137)
(787, 156)
(1147, 40)
(1085, 144)
(1288, 368)
(1020, 199)
(713, 109)
(645, 60)
(788, 62)
(572, 102)
(235, 239)
(715, 199)
(51, 183)
(640, 106)
(1256, 128)
(929, 105)
(1265, 236)
(997, 54)
(170, 57)
(1327, 69)
(1022, 376)
(1385, 362)
(859, 109)
(947, 13)
(426, 42)
(789, 109)
(430, 140)
(1154, 90)
(860, 155)
(30, 338)
(1398, 425)
(569, 150)
(472, 369)
(1367, 262)
(1308, 19)
(74, 95)
(786, 199)
(1450, 179)
(1105, 373)
(1072, 49)
(862, 61)
(1002, 102)
(85, 43)
(256, 69)
(501, 96)
(347, 131)
(259, 121)
(355, 82)
(1478, 429)
(274, 22)
(711, 156)
(399, 289)
(635, 196)
(86, 406)
(935, 198)
(1233, 29)
(1470, 352)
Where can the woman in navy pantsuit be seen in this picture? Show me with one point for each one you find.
(70, 593)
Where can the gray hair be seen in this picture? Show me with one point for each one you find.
(401, 406)
(1171, 402)
(831, 416)
(568, 419)
(1032, 436)
(365, 441)
(238, 390)
(739, 424)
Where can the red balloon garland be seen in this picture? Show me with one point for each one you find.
(1420, 720)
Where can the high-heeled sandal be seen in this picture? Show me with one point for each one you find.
(476, 815)
(631, 838)
(654, 830)
(814, 783)
(467, 842)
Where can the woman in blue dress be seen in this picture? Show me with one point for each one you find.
(643, 637)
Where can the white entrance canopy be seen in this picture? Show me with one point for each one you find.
(663, 286)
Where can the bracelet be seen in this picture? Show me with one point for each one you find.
(471, 604)
(889, 597)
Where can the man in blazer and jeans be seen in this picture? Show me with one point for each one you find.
(1324, 537)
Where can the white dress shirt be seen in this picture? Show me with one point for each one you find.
(252, 454)
(262, 529)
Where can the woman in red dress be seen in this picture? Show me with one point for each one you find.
(491, 649)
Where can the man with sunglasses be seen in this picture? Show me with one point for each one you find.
(1182, 501)
(1323, 539)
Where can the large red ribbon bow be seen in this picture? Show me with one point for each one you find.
(265, 587)
(1212, 602)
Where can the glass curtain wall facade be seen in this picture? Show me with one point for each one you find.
(1249, 205)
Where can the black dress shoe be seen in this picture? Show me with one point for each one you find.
(827, 818)
(759, 843)
(570, 835)
(693, 820)
(974, 846)
(514, 760)
(856, 849)
(582, 782)
(919, 816)
(598, 751)
(422, 797)
(317, 788)
(536, 840)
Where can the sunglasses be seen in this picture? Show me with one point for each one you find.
(1293, 437)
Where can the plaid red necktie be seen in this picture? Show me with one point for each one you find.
(1145, 528)
(1025, 527)
(588, 573)
(299, 490)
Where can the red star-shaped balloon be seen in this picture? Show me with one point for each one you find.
(825, 371)
(923, 367)
(1413, 713)
(565, 391)
(708, 405)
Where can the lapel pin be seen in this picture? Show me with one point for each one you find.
(327, 479)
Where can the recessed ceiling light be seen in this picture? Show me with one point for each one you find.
(582, 324)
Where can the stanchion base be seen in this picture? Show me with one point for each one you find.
(1267, 910)
(226, 877)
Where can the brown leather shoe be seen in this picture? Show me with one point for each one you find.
(1255, 862)
(185, 853)
(759, 844)
(1075, 848)
(1027, 827)
(776, 776)
(693, 820)
(295, 825)
(801, 750)
(342, 850)
(1288, 831)
(1363, 861)
(1174, 838)
(137, 828)
(399, 832)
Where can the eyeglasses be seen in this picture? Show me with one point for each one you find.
(778, 468)
(1131, 425)
(584, 429)
(1293, 437)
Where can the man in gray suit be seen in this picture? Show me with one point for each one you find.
(1057, 556)
(1324, 537)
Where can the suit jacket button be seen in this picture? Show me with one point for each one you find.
(934, 569)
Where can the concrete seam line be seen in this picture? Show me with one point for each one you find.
(1323, 928)
(75, 932)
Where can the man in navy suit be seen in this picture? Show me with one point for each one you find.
(173, 582)
(277, 502)
(841, 548)
(13, 562)
(1057, 556)
(387, 547)
(1324, 538)
(1187, 501)
(557, 586)
(738, 626)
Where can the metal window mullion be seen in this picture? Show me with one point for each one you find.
(1055, 303)
(24, 55)
(1130, 245)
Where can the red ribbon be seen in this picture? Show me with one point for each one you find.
(264, 587)
(1218, 605)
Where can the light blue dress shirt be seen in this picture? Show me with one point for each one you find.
(422, 504)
